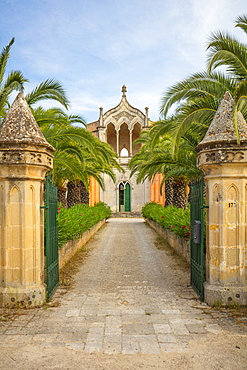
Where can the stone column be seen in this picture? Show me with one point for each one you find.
(117, 136)
(146, 124)
(225, 167)
(131, 145)
(25, 157)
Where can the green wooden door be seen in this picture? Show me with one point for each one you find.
(127, 198)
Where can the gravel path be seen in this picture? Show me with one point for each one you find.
(131, 308)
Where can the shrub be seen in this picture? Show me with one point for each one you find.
(74, 221)
(177, 220)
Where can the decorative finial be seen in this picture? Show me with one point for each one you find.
(124, 90)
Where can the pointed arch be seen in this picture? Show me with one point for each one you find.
(124, 197)
(135, 135)
(15, 233)
(111, 136)
(124, 137)
(232, 226)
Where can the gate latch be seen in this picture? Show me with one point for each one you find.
(44, 207)
(197, 232)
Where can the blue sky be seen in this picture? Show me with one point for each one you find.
(95, 46)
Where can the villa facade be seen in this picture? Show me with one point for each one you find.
(120, 127)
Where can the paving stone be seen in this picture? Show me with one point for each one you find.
(52, 344)
(112, 343)
(196, 329)
(129, 318)
(47, 330)
(171, 312)
(113, 320)
(179, 329)
(18, 338)
(92, 319)
(73, 313)
(130, 347)
(79, 336)
(132, 312)
(162, 328)
(75, 346)
(13, 330)
(94, 338)
(70, 319)
(183, 338)
(138, 329)
(185, 321)
(44, 338)
(64, 337)
(110, 329)
(149, 347)
(213, 328)
(159, 319)
(93, 347)
(167, 338)
(97, 325)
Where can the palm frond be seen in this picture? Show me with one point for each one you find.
(227, 51)
(4, 56)
(49, 89)
(241, 22)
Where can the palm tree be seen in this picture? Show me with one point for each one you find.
(177, 172)
(79, 155)
(49, 89)
(198, 97)
(14, 81)
(226, 51)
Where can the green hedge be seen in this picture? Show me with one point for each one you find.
(172, 218)
(74, 221)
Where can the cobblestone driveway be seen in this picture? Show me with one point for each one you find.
(129, 298)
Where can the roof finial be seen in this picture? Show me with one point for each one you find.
(124, 90)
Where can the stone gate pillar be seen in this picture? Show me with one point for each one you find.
(225, 167)
(25, 157)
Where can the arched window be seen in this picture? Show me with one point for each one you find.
(124, 152)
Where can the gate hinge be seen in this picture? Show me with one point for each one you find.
(44, 207)
(204, 206)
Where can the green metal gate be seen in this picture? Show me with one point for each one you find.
(51, 238)
(197, 242)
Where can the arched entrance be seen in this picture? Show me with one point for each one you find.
(124, 197)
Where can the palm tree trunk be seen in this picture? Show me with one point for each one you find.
(77, 194)
(180, 199)
(169, 192)
(61, 197)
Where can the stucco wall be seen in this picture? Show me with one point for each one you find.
(140, 193)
